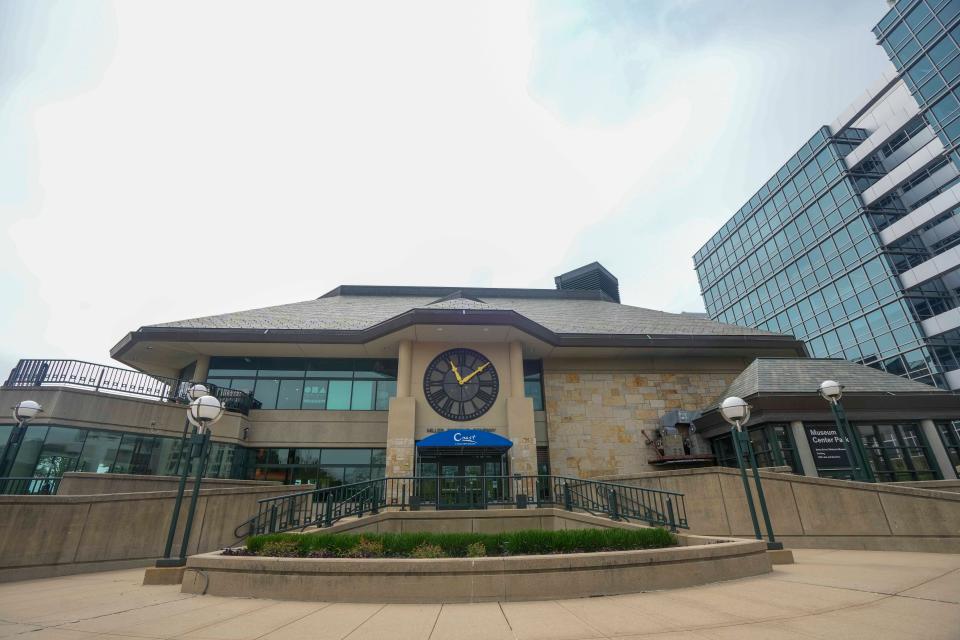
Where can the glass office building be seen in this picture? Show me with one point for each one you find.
(854, 244)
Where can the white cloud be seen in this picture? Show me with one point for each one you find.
(191, 158)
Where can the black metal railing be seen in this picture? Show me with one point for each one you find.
(113, 380)
(27, 486)
(323, 507)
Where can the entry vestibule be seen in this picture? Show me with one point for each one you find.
(463, 469)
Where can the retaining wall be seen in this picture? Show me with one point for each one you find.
(698, 560)
(810, 512)
(87, 484)
(44, 536)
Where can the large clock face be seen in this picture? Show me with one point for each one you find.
(461, 384)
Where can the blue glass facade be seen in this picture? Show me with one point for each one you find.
(803, 257)
(922, 39)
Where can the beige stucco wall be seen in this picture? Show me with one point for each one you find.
(597, 410)
(96, 410)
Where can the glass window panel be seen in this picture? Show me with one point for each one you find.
(228, 367)
(291, 393)
(135, 455)
(99, 451)
(386, 389)
(166, 456)
(376, 369)
(315, 394)
(266, 392)
(5, 430)
(61, 451)
(345, 456)
(306, 456)
(330, 368)
(338, 395)
(363, 392)
(30, 445)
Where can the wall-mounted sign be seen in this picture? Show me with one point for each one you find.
(465, 438)
(827, 446)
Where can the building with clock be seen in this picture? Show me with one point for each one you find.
(367, 381)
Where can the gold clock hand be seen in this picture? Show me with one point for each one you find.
(456, 373)
(479, 369)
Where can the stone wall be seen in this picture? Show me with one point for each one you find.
(818, 513)
(75, 483)
(596, 419)
(43, 536)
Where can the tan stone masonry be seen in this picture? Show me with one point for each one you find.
(596, 418)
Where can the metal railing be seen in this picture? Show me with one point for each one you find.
(325, 506)
(113, 380)
(30, 486)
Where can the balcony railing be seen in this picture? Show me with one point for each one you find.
(116, 381)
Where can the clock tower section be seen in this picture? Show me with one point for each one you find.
(413, 416)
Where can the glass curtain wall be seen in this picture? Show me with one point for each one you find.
(772, 443)
(323, 467)
(331, 384)
(898, 452)
(55, 450)
(950, 434)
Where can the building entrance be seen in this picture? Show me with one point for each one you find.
(462, 481)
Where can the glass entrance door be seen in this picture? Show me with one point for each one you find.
(461, 485)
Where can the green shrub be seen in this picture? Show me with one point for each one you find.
(281, 549)
(366, 548)
(427, 550)
(459, 545)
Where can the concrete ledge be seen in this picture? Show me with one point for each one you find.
(696, 560)
(780, 556)
(163, 575)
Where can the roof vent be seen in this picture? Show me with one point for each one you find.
(591, 277)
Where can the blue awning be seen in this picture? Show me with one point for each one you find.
(465, 438)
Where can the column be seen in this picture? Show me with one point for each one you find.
(807, 463)
(939, 451)
(401, 418)
(520, 421)
(201, 370)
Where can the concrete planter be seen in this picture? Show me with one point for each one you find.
(698, 560)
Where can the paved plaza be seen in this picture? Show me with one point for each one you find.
(826, 594)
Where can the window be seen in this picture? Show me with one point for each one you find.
(950, 434)
(333, 384)
(897, 452)
(325, 467)
(533, 382)
(772, 447)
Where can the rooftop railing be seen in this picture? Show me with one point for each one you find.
(117, 381)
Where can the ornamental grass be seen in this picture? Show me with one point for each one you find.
(456, 545)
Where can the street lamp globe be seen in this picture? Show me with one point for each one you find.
(197, 391)
(735, 410)
(205, 410)
(831, 390)
(26, 410)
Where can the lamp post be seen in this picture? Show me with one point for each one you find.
(832, 391)
(736, 411)
(23, 412)
(204, 410)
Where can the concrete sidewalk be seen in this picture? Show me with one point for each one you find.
(826, 594)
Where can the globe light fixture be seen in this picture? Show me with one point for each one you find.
(197, 391)
(205, 410)
(831, 390)
(736, 411)
(23, 412)
(26, 410)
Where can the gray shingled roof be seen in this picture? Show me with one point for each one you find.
(554, 310)
(769, 376)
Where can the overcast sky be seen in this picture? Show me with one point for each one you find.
(165, 160)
